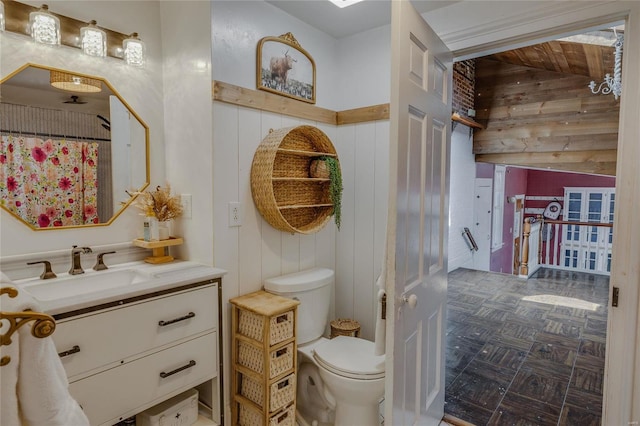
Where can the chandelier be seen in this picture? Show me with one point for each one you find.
(612, 85)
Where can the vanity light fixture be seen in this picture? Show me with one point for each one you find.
(1, 16)
(74, 83)
(44, 26)
(134, 51)
(93, 40)
(344, 3)
(56, 29)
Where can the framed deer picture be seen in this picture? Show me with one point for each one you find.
(285, 68)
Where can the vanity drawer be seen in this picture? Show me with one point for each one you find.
(130, 388)
(105, 338)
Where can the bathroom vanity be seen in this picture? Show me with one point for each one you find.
(127, 348)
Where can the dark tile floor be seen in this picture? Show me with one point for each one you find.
(526, 352)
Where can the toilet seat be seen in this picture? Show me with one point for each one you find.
(350, 357)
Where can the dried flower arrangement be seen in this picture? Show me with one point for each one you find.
(159, 204)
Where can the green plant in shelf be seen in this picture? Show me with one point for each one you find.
(335, 186)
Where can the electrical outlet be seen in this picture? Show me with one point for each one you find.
(235, 213)
(185, 200)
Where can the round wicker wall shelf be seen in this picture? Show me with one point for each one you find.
(281, 184)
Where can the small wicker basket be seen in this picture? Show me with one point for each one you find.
(283, 185)
(345, 327)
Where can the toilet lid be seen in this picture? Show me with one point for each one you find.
(350, 357)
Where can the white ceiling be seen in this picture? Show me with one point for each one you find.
(338, 23)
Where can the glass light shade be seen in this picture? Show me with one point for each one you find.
(44, 27)
(93, 40)
(74, 83)
(134, 51)
(1, 16)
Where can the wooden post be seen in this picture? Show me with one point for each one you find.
(526, 231)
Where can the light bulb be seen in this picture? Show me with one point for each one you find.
(1, 16)
(93, 40)
(134, 51)
(44, 27)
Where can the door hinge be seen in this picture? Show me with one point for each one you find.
(614, 298)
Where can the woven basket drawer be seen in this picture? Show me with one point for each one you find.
(280, 361)
(249, 416)
(252, 326)
(281, 393)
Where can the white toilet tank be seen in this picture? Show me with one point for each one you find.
(312, 288)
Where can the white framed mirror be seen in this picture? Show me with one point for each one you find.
(71, 149)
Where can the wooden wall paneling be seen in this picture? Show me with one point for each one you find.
(594, 60)
(539, 118)
(241, 96)
(546, 143)
(225, 92)
(359, 115)
(250, 248)
(345, 238)
(556, 57)
(364, 204)
(271, 238)
(225, 185)
(599, 162)
(574, 105)
(562, 56)
(551, 157)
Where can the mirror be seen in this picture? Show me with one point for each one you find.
(70, 155)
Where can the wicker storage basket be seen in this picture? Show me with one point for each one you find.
(252, 326)
(252, 357)
(345, 327)
(281, 184)
(249, 416)
(281, 393)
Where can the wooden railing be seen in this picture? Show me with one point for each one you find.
(582, 246)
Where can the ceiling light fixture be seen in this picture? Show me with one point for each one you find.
(93, 40)
(344, 3)
(612, 85)
(44, 26)
(74, 83)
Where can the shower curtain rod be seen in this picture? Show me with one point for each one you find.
(51, 135)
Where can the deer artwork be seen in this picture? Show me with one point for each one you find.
(281, 66)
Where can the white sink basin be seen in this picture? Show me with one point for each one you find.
(82, 284)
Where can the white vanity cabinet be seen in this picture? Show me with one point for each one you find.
(128, 355)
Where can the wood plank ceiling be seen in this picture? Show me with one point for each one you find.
(539, 112)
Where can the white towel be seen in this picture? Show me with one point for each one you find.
(35, 390)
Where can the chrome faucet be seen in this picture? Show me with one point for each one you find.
(76, 266)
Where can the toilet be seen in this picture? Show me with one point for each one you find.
(340, 381)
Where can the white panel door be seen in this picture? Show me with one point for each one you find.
(482, 205)
(418, 220)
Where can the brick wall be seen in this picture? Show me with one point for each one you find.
(464, 77)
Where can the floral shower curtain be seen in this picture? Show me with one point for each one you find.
(49, 183)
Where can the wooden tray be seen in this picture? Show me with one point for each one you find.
(158, 249)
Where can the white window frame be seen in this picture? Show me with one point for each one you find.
(585, 247)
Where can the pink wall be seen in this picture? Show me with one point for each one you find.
(547, 183)
(515, 184)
